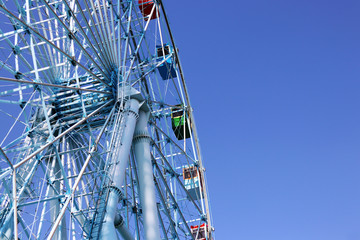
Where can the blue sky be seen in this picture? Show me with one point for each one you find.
(275, 88)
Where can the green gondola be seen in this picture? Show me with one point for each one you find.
(180, 123)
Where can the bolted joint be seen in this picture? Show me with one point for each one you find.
(134, 113)
(119, 221)
(116, 190)
(73, 61)
(18, 75)
(142, 137)
(16, 50)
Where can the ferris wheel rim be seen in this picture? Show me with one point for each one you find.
(72, 91)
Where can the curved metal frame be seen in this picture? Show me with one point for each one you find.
(74, 77)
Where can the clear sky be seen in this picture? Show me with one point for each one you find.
(275, 87)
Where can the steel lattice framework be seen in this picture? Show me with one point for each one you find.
(98, 138)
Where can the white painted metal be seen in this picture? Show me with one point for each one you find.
(119, 162)
(83, 165)
(146, 182)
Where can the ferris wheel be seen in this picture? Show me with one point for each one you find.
(98, 137)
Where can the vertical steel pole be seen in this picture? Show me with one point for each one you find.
(146, 179)
(119, 164)
(15, 205)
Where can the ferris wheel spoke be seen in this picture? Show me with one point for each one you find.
(45, 114)
(16, 121)
(104, 21)
(16, 51)
(106, 65)
(48, 85)
(188, 157)
(104, 51)
(40, 58)
(169, 193)
(73, 37)
(165, 208)
(49, 57)
(59, 164)
(76, 183)
(4, 65)
(32, 44)
(59, 136)
(126, 46)
(162, 223)
(6, 158)
(150, 70)
(60, 51)
(113, 31)
(135, 46)
(99, 26)
(168, 168)
(43, 211)
(26, 228)
(6, 113)
(17, 145)
(108, 13)
(73, 62)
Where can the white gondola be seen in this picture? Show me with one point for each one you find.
(192, 181)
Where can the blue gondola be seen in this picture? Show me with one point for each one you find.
(166, 69)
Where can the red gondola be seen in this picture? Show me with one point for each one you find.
(146, 7)
(198, 233)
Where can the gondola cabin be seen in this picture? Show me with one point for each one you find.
(146, 7)
(197, 232)
(180, 123)
(166, 68)
(192, 181)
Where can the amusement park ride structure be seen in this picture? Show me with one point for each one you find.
(98, 138)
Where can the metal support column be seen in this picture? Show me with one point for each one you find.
(119, 164)
(146, 179)
(120, 226)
